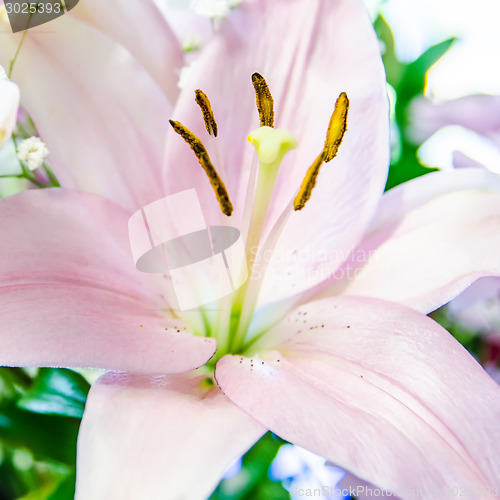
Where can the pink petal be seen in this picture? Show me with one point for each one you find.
(71, 296)
(480, 113)
(309, 52)
(163, 437)
(461, 160)
(191, 29)
(430, 239)
(478, 307)
(9, 102)
(143, 31)
(100, 113)
(380, 390)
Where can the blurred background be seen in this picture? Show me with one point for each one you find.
(442, 62)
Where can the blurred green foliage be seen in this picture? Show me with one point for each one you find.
(40, 414)
(408, 81)
(253, 480)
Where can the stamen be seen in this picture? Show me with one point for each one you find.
(265, 103)
(308, 183)
(336, 127)
(334, 136)
(201, 153)
(208, 115)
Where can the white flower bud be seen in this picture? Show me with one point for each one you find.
(33, 152)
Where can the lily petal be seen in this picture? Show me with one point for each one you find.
(479, 113)
(430, 239)
(379, 390)
(478, 307)
(71, 296)
(145, 437)
(113, 115)
(9, 103)
(288, 42)
(191, 29)
(152, 42)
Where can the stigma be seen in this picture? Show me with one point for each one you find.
(272, 145)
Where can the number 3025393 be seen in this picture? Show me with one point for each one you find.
(33, 8)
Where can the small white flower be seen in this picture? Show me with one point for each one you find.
(33, 152)
(3, 74)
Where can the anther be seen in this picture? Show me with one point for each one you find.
(208, 115)
(336, 127)
(308, 183)
(334, 136)
(265, 103)
(201, 153)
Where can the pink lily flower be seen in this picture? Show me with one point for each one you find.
(333, 351)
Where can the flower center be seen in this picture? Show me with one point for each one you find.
(231, 326)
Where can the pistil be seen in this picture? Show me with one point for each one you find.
(271, 146)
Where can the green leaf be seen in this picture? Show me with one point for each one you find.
(57, 391)
(393, 67)
(66, 489)
(253, 480)
(12, 483)
(411, 85)
(414, 77)
(46, 436)
(407, 167)
(12, 382)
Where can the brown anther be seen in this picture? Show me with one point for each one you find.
(334, 136)
(265, 102)
(208, 115)
(201, 153)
